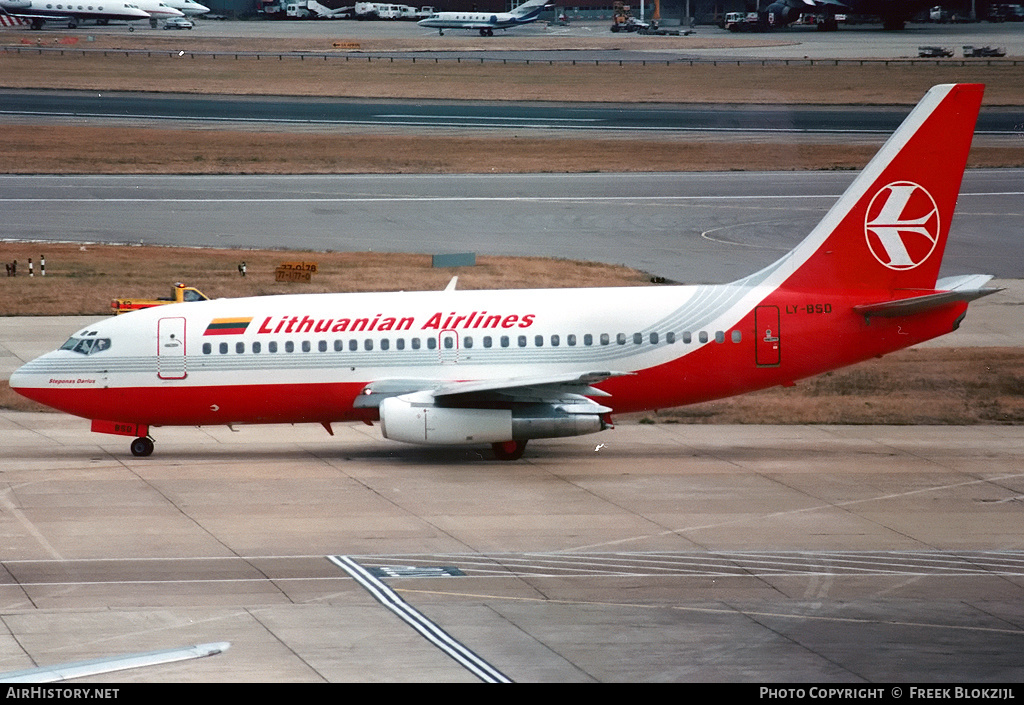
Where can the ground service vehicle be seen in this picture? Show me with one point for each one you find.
(179, 294)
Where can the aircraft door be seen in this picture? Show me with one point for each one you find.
(767, 336)
(170, 352)
(448, 347)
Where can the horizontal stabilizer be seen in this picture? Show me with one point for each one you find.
(952, 290)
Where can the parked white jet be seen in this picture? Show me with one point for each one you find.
(190, 7)
(39, 11)
(158, 10)
(486, 22)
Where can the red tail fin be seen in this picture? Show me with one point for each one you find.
(889, 230)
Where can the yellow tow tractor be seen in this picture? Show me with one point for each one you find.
(179, 293)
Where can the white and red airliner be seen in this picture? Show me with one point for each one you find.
(503, 367)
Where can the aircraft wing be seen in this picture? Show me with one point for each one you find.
(33, 15)
(571, 388)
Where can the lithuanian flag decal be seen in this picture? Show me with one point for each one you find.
(227, 326)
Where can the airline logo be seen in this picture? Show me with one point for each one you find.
(902, 225)
(227, 326)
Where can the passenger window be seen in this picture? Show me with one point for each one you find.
(432, 343)
(719, 336)
(385, 344)
(620, 338)
(415, 343)
(306, 347)
(522, 341)
(554, 341)
(272, 346)
(353, 345)
(737, 336)
(703, 336)
(240, 348)
(638, 338)
(654, 338)
(504, 341)
(670, 337)
(588, 339)
(570, 340)
(487, 341)
(339, 345)
(605, 339)
(322, 346)
(223, 348)
(256, 347)
(207, 348)
(687, 338)
(368, 344)
(400, 343)
(289, 346)
(467, 341)
(538, 340)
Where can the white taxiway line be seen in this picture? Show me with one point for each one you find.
(430, 631)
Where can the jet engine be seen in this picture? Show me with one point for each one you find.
(780, 14)
(417, 418)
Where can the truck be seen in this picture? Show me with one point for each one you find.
(297, 10)
(376, 11)
(970, 51)
(742, 22)
(179, 294)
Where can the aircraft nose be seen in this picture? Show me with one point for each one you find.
(18, 380)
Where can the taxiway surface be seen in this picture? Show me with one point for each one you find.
(650, 553)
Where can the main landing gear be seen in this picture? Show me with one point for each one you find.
(142, 447)
(509, 450)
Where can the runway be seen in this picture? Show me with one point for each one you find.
(471, 117)
(651, 553)
(687, 227)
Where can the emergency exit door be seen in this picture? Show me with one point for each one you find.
(170, 351)
(767, 336)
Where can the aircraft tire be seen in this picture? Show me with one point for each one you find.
(509, 450)
(142, 447)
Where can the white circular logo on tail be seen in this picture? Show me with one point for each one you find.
(902, 225)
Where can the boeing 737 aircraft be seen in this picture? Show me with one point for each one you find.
(503, 367)
(486, 22)
(36, 12)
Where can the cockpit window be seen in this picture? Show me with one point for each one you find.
(86, 346)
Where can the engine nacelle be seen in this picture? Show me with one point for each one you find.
(414, 419)
(779, 14)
